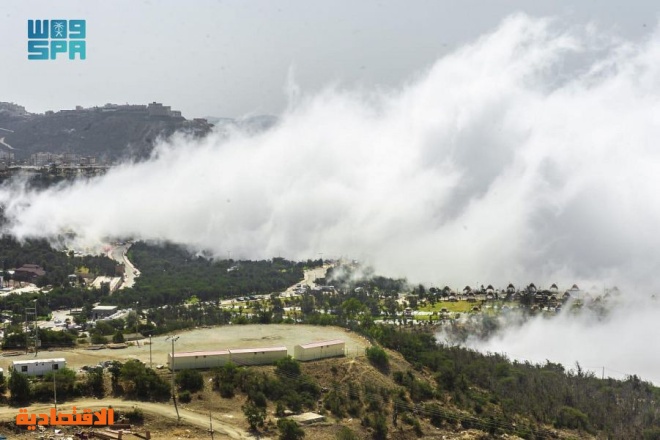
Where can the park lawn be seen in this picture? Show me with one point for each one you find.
(452, 307)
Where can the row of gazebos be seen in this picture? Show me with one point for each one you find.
(510, 293)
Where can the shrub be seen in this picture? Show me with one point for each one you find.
(98, 339)
(185, 397)
(287, 367)
(435, 413)
(19, 387)
(651, 434)
(95, 383)
(190, 380)
(255, 416)
(258, 398)
(118, 337)
(379, 423)
(136, 416)
(378, 358)
(572, 418)
(345, 433)
(289, 430)
(226, 390)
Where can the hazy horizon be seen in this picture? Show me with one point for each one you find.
(233, 58)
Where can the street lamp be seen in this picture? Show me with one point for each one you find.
(150, 362)
(174, 339)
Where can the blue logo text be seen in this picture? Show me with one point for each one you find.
(49, 38)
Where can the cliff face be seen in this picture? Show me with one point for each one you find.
(110, 132)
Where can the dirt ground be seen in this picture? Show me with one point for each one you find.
(213, 338)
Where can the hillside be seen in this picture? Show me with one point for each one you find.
(110, 132)
(357, 400)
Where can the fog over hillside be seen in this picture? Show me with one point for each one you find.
(528, 155)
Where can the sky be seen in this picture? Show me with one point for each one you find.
(235, 58)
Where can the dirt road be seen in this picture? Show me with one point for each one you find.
(188, 417)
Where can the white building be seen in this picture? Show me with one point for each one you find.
(256, 356)
(38, 367)
(198, 359)
(101, 312)
(319, 350)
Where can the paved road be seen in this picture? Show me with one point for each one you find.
(2, 142)
(309, 279)
(118, 253)
(200, 420)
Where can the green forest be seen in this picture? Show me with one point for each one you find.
(170, 274)
(57, 264)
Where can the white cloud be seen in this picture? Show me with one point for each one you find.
(528, 155)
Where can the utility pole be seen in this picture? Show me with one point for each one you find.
(176, 408)
(137, 322)
(27, 333)
(211, 425)
(36, 330)
(31, 312)
(150, 362)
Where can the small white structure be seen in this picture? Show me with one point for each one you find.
(256, 356)
(101, 312)
(319, 350)
(38, 367)
(198, 359)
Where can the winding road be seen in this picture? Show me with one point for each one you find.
(188, 417)
(118, 253)
(2, 142)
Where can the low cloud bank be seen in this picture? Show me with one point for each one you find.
(528, 155)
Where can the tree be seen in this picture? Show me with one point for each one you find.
(190, 380)
(255, 415)
(118, 337)
(289, 430)
(19, 387)
(378, 358)
(115, 373)
(95, 383)
(65, 379)
(380, 427)
(104, 328)
(352, 307)
(98, 339)
(143, 383)
(287, 367)
(307, 304)
(131, 319)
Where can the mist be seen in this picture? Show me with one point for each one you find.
(611, 340)
(528, 155)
